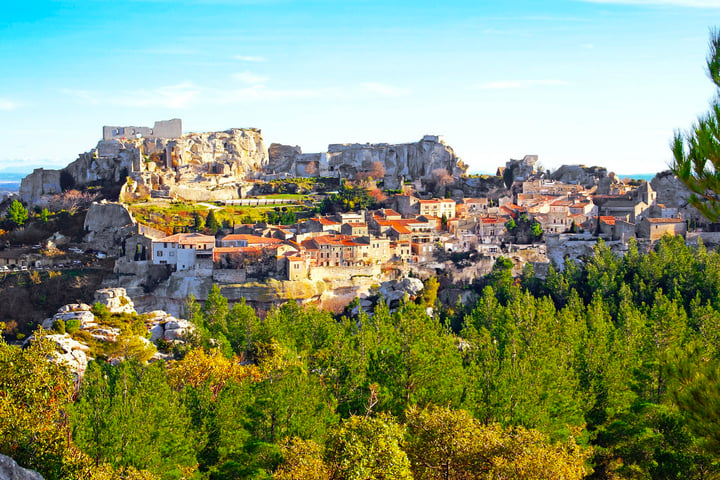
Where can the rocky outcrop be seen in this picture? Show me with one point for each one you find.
(484, 186)
(10, 470)
(70, 349)
(579, 175)
(395, 290)
(424, 160)
(216, 166)
(107, 225)
(210, 166)
(165, 326)
(38, 184)
(70, 352)
(115, 299)
(672, 193)
(520, 170)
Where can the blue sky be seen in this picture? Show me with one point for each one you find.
(573, 81)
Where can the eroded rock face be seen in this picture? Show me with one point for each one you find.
(395, 290)
(672, 193)
(40, 182)
(107, 225)
(579, 175)
(10, 470)
(213, 160)
(115, 299)
(406, 161)
(70, 352)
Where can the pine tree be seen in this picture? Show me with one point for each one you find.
(211, 222)
(17, 213)
(697, 152)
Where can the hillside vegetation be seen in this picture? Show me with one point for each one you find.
(606, 370)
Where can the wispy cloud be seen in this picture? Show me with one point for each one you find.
(385, 89)
(250, 77)
(170, 96)
(588, 46)
(7, 105)
(675, 3)
(501, 85)
(250, 59)
(188, 94)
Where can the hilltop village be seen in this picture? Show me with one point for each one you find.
(359, 217)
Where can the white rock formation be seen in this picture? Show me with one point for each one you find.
(406, 161)
(70, 352)
(115, 299)
(107, 225)
(395, 290)
(10, 470)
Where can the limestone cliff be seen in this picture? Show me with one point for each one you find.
(40, 182)
(107, 224)
(579, 175)
(396, 162)
(193, 166)
(215, 166)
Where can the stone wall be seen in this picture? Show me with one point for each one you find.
(161, 129)
(343, 273)
(229, 276)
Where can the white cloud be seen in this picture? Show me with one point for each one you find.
(384, 89)
(169, 96)
(501, 85)
(7, 105)
(251, 59)
(676, 3)
(589, 46)
(250, 77)
(188, 94)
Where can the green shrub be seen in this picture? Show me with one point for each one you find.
(100, 311)
(72, 325)
(59, 326)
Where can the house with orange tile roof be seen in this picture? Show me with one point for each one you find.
(182, 250)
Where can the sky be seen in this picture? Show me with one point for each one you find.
(594, 82)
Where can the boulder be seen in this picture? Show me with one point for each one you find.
(395, 290)
(75, 307)
(115, 299)
(10, 470)
(70, 352)
(177, 329)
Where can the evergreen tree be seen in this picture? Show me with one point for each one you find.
(697, 152)
(17, 213)
(211, 222)
(127, 415)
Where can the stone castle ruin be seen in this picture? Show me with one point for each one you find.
(163, 162)
(161, 129)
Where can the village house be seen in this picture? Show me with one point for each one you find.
(182, 250)
(437, 207)
(655, 228)
(354, 229)
(339, 251)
